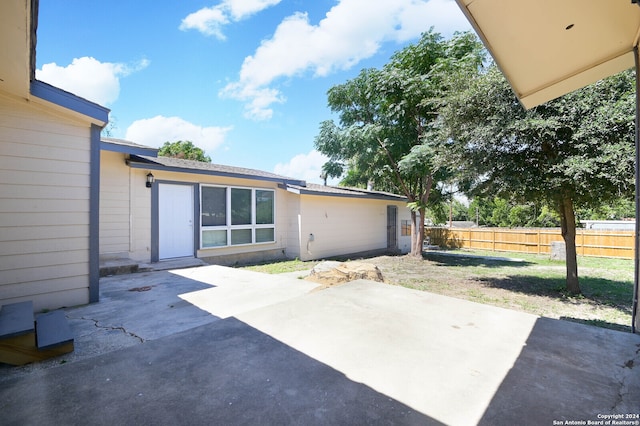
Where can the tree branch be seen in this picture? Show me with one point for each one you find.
(396, 171)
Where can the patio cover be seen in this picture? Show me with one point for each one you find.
(547, 48)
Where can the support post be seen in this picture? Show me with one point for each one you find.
(635, 320)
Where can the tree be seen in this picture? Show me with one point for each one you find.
(481, 210)
(111, 126)
(617, 210)
(384, 118)
(575, 151)
(185, 150)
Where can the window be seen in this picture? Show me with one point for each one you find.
(235, 216)
(240, 206)
(214, 206)
(264, 207)
(405, 228)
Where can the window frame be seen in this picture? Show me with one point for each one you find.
(228, 227)
(405, 227)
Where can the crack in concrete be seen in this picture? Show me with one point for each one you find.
(622, 379)
(97, 324)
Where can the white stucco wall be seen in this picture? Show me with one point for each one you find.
(293, 225)
(342, 225)
(44, 205)
(404, 242)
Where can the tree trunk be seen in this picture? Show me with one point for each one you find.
(416, 244)
(417, 229)
(568, 223)
(420, 241)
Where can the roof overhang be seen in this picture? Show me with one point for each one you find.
(208, 169)
(548, 48)
(16, 42)
(127, 147)
(341, 191)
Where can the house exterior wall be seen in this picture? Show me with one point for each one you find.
(44, 205)
(342, 225)
(404, 241)
(141, 208)
(140, 196)
(294, 226)
(114, 206)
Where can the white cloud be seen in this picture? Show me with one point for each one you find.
(351, 31)
(307, 167)
(89, 78)
(241, 9)
(444, 15)
(159, 129)
(210, 20)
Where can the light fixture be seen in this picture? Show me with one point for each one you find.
(150, 180)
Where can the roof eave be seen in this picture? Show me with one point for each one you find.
(360, 196)
(143, 163)
(543, 59)
(69, 101)
(127, 149)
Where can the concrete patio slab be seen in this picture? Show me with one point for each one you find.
(360, 353)
(235, 291)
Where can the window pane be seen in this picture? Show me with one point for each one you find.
(240, 236)
(265, 235)
(264, 207)
(405, 228)
(214, 238)
(214, 206)
(240, 207)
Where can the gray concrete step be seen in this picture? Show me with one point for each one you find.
(25, 339)
(127, 266)
(16, 319)
(52, 330)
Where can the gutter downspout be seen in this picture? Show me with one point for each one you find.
(635, 321)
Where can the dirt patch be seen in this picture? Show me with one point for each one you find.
(331, 273)
(522, 286)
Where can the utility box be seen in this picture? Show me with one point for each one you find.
(558, 250)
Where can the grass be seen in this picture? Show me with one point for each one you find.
(282, 266)
(533, 284)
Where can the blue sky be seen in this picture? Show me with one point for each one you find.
(246, 80)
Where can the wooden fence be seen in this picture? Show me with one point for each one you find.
(595, 243)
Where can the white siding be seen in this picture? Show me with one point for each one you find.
(114, 206)
(342, 225)
(294, 223)
(139, 245)
(44, 206)
(140, 195)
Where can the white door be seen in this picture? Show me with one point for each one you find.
(175, 221)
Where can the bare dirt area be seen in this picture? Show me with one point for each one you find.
(523, 285)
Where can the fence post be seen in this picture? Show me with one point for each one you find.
(493, 239)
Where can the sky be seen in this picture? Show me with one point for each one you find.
(245, 80)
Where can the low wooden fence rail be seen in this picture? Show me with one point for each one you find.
(589, 242)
